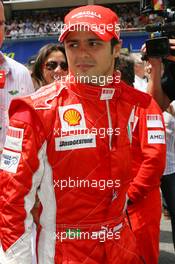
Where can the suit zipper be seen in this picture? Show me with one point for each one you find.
(109, 123)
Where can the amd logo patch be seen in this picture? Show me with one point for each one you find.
(156, 137)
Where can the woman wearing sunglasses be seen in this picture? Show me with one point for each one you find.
(50, 65)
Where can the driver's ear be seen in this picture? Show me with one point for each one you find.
(117, 48)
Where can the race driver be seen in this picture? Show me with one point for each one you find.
(51, 140)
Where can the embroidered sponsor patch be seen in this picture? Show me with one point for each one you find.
(72, 117)
(129, 128)
(154, 121)
(107, 93)
(156, 137)
(75, 142)
(43, 92)
(14, 138)
(86, 14)
(10, 161)
(43, 97)
(133, 119)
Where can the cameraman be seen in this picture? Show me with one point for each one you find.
(163, 88)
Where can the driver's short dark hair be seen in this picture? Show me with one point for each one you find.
(114, 41)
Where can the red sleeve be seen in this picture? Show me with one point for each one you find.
(149, 151)
(20, 176)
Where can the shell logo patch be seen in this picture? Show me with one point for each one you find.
(72, 117)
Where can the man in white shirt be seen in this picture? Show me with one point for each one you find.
(168, 179)
(140, 81)
(17, 81)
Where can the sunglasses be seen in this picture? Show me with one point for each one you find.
(52, 65)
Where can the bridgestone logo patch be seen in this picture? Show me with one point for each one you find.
(75, 142)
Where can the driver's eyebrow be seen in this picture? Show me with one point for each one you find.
(78, 40)
(71, 40)
(95, 39)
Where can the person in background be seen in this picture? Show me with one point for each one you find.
(50, 65)
(140, 79)
(161, 87)
(15, 80)
(149, 152)
(168, 179)
(30, 63)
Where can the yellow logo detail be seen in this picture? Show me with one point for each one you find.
(72, 117)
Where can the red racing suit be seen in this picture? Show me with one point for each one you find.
(58, 146)
(149, 156)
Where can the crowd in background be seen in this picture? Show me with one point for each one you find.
(48, 22)
(33, 25)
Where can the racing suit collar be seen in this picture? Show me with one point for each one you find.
(93, 92)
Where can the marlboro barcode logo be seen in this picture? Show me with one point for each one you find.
(14, 138)
(154, 117)
(154, 121)
(107, 93)
(14, 132)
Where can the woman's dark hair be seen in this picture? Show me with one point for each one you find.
(125, 64)
(44, 52)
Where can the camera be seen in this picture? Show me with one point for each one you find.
(158, 45)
